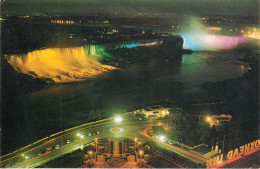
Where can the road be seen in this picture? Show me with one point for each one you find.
(177, 150)
(131, 128)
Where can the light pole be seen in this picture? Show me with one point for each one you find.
(90, 152)
(135, 144)
(141, 154)
(96, 140)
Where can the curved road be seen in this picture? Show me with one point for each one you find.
(131, 128)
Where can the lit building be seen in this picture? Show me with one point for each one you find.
(68, 22)
(158, 112)
(214, 28)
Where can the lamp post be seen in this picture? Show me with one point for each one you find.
(208, 119)
(90, 153)
(141, 154)
(96, 140)
(135, 144)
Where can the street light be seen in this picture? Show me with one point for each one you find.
(135, 143)
(208, 119)
(161, 137)
(118, 119)
(96, 140)
(90, 152)
(141, 154)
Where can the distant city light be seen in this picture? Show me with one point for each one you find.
(214, 28)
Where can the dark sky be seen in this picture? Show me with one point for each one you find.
(130, 7)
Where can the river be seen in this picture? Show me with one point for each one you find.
(110, 92)
(69, 104)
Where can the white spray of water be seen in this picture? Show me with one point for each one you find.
(197, 38)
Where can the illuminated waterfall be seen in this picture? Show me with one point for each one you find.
(96, 51)
(197, 38)
(202, 42)
(60, 64)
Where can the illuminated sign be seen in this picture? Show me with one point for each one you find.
(243, 149)
(215, 161)
(233, 153)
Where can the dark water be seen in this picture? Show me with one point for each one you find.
(65, 105)
(141, 83)
(201, 67)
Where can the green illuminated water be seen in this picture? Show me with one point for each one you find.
(96, 51)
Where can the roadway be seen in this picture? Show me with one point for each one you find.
(131, 128)
(185, 153)
(16, 160)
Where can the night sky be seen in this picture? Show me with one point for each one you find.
(131, 7)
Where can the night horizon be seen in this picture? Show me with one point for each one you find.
(129, 8)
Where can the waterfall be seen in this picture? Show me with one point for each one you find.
(197, 38)
(60, 64)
